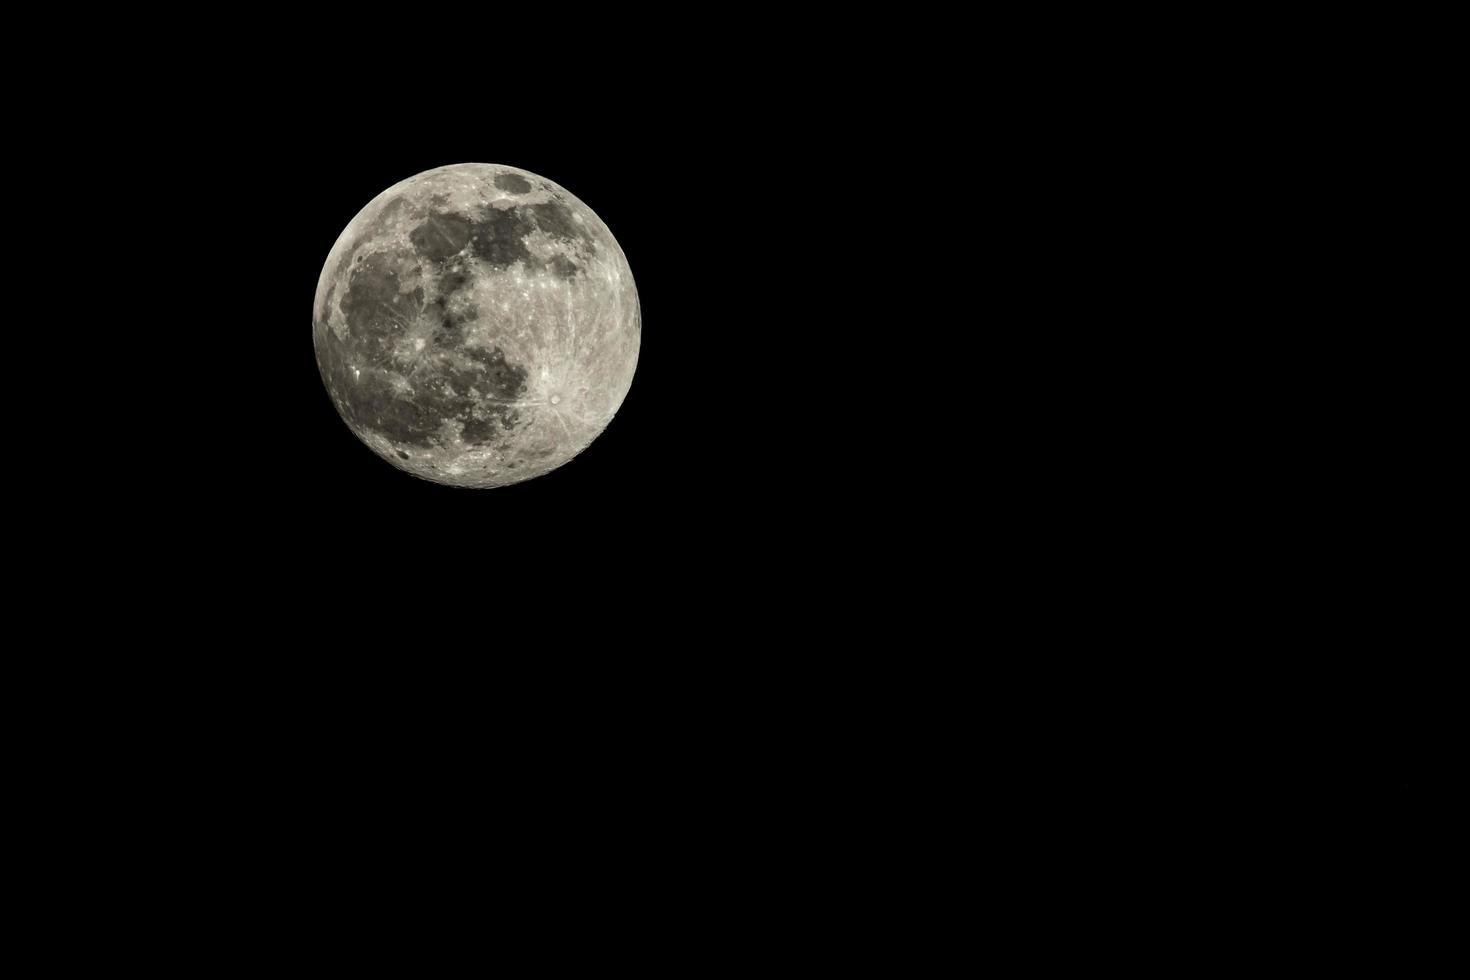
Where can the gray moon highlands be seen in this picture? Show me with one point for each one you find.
(476, 325)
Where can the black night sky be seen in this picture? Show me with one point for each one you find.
(925, 538)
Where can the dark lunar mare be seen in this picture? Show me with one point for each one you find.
(458, 383)
(553, 218)
(497, 236)
(514, 183)
(440, 236)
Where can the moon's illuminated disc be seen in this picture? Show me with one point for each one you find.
(476, 325)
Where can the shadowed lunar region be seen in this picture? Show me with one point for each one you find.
(476, 325)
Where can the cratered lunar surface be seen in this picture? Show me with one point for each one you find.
(476, 325)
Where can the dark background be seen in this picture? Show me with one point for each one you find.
(827, 562)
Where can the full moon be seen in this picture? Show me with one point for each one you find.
(476, 325)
